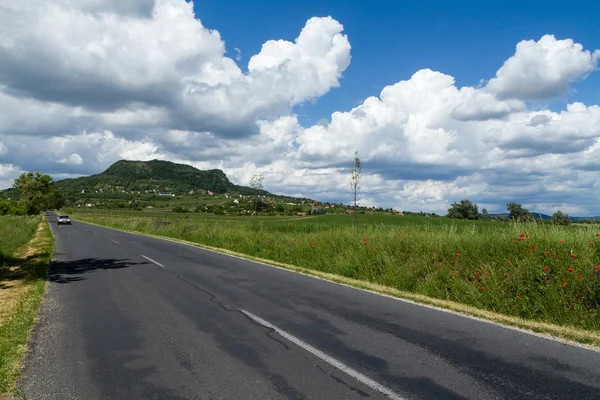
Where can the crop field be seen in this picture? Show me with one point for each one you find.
(534, 271)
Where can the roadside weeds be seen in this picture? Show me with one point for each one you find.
(21, 297)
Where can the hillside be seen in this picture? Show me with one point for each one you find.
(153, 177)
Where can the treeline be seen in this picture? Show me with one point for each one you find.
(35, 194)
(465, 209)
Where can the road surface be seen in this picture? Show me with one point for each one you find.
(132, 317)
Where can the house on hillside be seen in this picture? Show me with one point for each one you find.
(349, 211)
(165, 194)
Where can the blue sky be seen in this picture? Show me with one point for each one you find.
(391, 40)
(493, 102)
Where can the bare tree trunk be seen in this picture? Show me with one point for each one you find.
(355, 175)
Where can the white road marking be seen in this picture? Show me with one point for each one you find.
(330, 360)
(114, 241)
(152, 261)
(96, 233)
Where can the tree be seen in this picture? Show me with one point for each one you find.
(355, 175)
(558, 218)
(518, 213)
(484, 213)
(463, 210)
(256, 183)
(279, 208)
(37, 193)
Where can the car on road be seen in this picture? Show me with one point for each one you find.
(63, 219)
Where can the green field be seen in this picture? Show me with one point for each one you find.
(539, 272)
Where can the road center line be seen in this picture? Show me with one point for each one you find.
(114, 241)
(330, 360)
(152, 261)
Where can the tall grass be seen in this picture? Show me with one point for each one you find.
(15, 231)
(24, 260)
(534, 271)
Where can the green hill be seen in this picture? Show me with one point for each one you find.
(153, 177)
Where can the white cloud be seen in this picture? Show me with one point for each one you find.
(74, 159)
(542, 70)
(67, 53)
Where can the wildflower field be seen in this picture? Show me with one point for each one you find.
(534, 271)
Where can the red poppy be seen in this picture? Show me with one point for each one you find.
(482, 289)
(562, 241)
(570, 269)
(527, 235)
(439, 266)
(456, 254)
(552, 255)
(597, 234)
(478, 260)
(579, 276)
(408, 237)
(545, 268)
(596, 267)
(477, 272)
(532, 247)
(394, 237)
(545, 252)
(522, 235)
(547, 277)
(509, 261)
(565, 284)
(573, 256)
(591, 243)
(365, 243)
(529, 251)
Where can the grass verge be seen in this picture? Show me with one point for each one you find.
(22, 285)
(459, 281)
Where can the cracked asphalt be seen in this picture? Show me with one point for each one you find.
(133, 317)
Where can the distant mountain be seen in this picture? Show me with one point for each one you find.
(536, 215)
(547, 217)
(155, 175)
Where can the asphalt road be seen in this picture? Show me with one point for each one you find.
(132, 317)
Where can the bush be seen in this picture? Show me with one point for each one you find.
(179, 209)
(463, 210)
(9, 207)
(558, 218)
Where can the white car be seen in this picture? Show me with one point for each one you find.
(63, 219)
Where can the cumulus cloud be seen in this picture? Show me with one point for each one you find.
(69, 53)
(542, 70)
(74, 159)
(96, 81)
